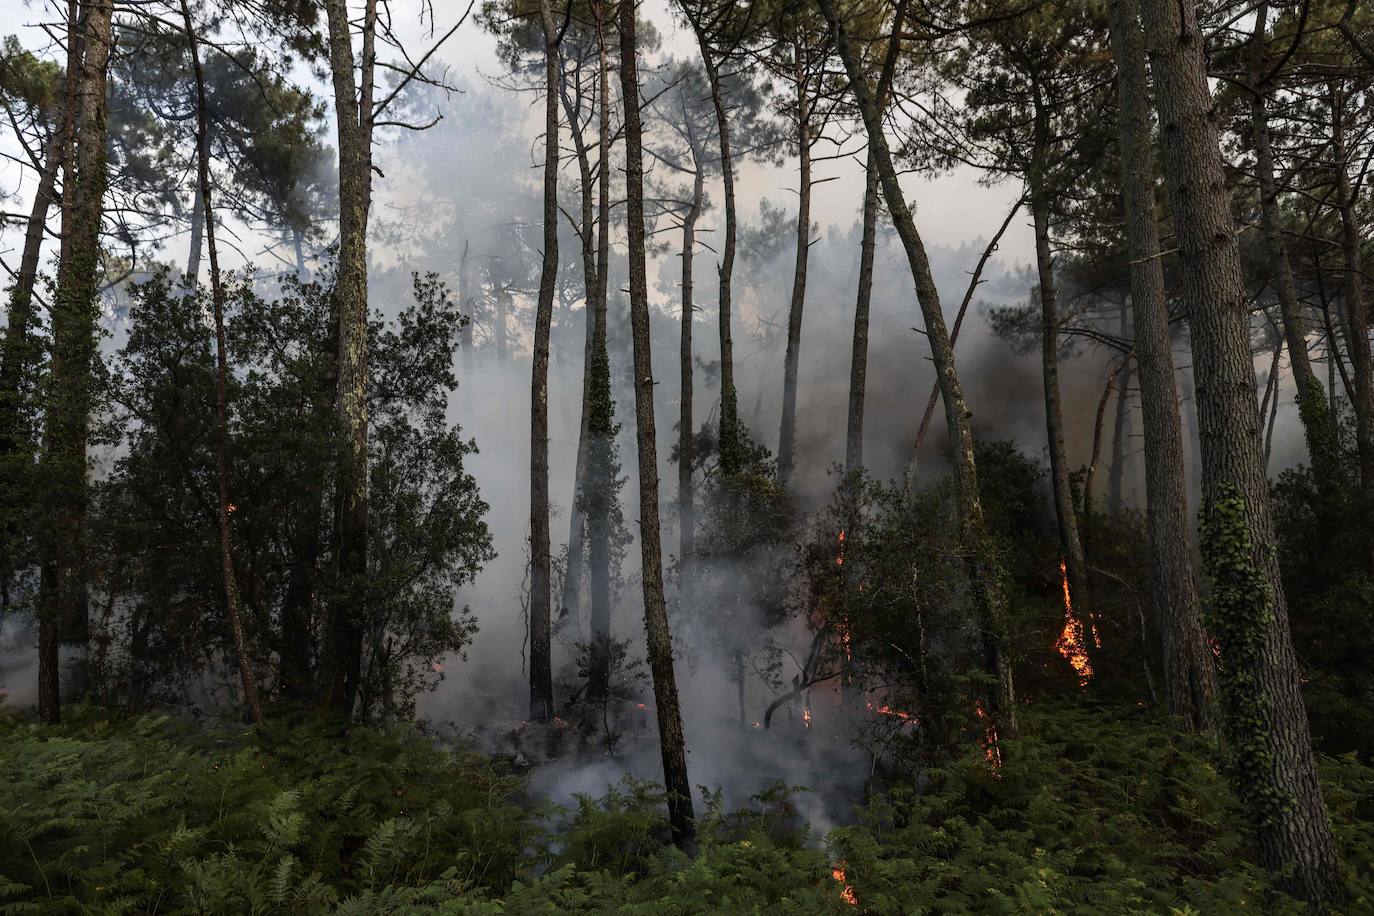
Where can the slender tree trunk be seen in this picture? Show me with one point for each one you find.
(985, 571)
(1356, 313)
(1189, 669)
(685, 458)
(601, 423)
(503, 299)
(658, 638)
(541, 646)
(787, 434)
(1069, 539)
(75, 312)
(731, 455)
(465, 308)
(197, 234)
(858, 361)
(353, 114)
(1274, 769)
(572, 578)
(1318, 424)
(1121, 425)
(222, 473)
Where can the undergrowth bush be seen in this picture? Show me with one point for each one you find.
(1099, 809)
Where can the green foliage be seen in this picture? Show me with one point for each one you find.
(1097, 810)
(154, 516)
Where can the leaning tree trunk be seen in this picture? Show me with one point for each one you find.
(1317, 422)
(601, 422)
(197, 234)
(224, 507)
(18, 353)
(731, 455)
(787, 434)
(686, 516)
(75, 311)
(1189, 669)
(541, 645)
(353, 114)
(16, 360)
(658, 638)
(1274, 769)
(1356, 314)
(985, 568)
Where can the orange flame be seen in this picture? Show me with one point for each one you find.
(806, 716)
(885, 710)
(992, 750)
(839, 560)
(1072, 642)
(847, 891)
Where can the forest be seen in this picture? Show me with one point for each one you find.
(687, 456)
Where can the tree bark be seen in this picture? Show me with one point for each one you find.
(787, 434)
(659, 640)
(1189, 668)
(1274, 769)
(731, 455)
(75, 312)
(353, 114)
(197, 232)
(225, 507)
(985, 570)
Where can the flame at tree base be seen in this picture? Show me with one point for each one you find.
(1072, 643)
(847, 893)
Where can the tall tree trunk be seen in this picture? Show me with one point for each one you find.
(787, 434)
(1121, 426)
(1065, 512)
(985, 569)
(686, 516)
(503, 299)
(353, 114)
(858, 360)
(657, 636)
(601, 423)
(1356, 313)
(868, 244)
(1274, 769)
(1189, 668)
(75, 312)
(541, 645)
(1318, 424)
(465, 308)
(731, 454)
(572, 577)
(225, 507)
(197, 233)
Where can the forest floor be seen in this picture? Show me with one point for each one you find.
(1097, 809)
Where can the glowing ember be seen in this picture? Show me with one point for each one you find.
(839, 560)
(640, 706)
(806, 716)
(438, 666)
(885, 710)
(992, 750)
(230, 507)
(847, 892)
(1072, 642)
